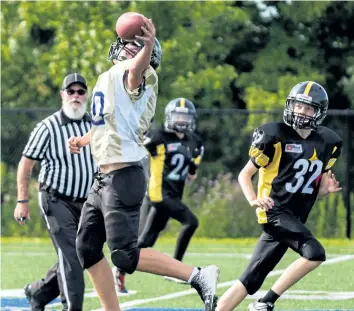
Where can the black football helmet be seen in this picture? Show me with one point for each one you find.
(117, 47)
(309, 93)
(180, 116)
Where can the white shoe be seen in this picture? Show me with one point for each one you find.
(205, 283)
(260, 306)
(178, 281)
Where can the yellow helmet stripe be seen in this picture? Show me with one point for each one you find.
(308, 88)
(182, 102)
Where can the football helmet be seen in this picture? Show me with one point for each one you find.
(309, 93)
(119, 45)
(180, 116)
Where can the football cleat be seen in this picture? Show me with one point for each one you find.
(35, 306)
(205, 283)
(260, 306)
(119, 281)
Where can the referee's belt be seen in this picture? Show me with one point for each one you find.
(55, 193)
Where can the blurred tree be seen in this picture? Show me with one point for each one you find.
(218, 54)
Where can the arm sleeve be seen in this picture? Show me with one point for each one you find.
(336, 152)
(149, 80)
(197, 158)
(262, 148)
(38, 142)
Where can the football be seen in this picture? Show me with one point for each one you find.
(129, 25)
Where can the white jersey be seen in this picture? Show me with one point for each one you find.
(120, 117)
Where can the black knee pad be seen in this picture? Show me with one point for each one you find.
(86, 254)
(313, 250)
(191, 225)
(252, 282)
(126, 259)
(122, 235)
(193, 222)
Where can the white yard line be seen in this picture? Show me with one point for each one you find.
(292, 294)
(221, 285)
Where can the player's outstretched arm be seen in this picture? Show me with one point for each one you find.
(329, 184)
(142, 60)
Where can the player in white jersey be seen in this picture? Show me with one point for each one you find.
(123, 105)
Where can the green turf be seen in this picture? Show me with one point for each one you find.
(24, 260)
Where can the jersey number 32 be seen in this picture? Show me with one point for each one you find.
(305, 166)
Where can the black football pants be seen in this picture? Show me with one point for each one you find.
(157, 219)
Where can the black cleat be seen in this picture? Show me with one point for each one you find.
(35, 306)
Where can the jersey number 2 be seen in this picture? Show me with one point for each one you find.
(315, 168)
(177, 173)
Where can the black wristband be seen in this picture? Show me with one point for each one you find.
(22, 201)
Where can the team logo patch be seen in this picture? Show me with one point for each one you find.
(257, 137)
(295, 148)
(173, 147)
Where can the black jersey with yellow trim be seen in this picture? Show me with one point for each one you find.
(290, 167)
(171, 160)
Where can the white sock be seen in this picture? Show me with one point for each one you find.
(194, 273)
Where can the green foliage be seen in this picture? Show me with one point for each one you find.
(328, 217)
(219, 204)
(219, 54)
(223, 212)
(304, 12)
(348, 82)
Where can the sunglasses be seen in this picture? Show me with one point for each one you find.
(79, 92)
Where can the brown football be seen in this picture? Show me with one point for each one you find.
(129, 25)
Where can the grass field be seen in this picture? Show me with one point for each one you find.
(329, 287)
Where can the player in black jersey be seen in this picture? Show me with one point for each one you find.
(176, 152)
(293, 159)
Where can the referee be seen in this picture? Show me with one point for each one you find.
(64, 183)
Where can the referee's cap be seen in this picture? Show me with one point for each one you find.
(74, 78)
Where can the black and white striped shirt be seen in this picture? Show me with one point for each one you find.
(69, 174)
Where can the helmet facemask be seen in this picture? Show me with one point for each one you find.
(302, 121)
(115, 51)
(120, 45)
(180, 120)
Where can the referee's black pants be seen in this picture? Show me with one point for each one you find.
(66, 276)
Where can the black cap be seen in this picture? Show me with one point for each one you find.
(74, 78)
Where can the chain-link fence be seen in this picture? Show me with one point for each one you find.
(226, 135)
